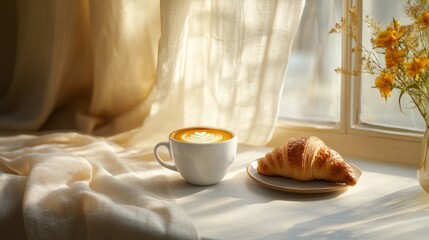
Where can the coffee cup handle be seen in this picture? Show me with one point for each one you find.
(160, 160)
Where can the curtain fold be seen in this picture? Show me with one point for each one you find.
(124, 36)
(50, 64)
(83, 65)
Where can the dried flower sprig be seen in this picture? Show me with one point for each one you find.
(405, 49)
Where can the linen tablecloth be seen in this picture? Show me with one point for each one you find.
(75, 186)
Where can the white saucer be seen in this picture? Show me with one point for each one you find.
(290, 185)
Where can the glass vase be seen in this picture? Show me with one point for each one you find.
(423, 170)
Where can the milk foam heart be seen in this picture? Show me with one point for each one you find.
(201, 135)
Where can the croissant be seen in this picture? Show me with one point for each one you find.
(305, 159)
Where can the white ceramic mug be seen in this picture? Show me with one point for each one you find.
(202, 155)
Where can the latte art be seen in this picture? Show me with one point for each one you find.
(202, 135)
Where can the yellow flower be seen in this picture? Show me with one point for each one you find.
(390, 37)
(394, 57)
(386, 38)
(384, 83)
(404, 49)
(417, 66)
(424, 19)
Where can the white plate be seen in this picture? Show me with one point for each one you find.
(291, 185)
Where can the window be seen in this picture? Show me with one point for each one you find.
(312, 89)
(347, 113)
(370, 103)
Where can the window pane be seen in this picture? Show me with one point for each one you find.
(374, 109)
(312, 88)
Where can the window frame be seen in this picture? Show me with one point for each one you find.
(352, 138)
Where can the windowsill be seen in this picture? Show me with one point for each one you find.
(386, 202)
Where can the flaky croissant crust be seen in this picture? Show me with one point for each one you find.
(305, 159)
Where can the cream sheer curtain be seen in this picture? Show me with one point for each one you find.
(88, 86)
(85, 65)
(92, 66)
(222, 63)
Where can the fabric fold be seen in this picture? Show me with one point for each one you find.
(74, 186)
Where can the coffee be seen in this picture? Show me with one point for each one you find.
(202, 155)
(201, 135)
